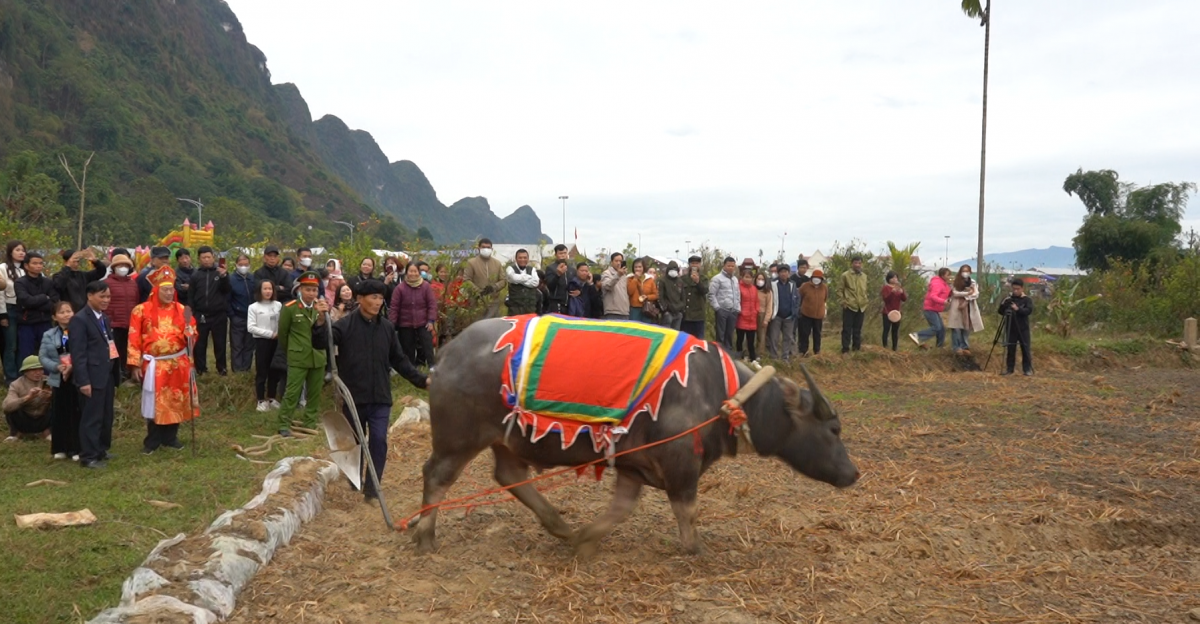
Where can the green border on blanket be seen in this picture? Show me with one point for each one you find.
(596, 412)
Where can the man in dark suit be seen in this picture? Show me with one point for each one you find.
(92, 363)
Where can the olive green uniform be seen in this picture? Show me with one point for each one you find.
(305, 363)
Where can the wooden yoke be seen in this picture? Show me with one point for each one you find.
(732, 408)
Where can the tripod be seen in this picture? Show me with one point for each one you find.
(1001, 331)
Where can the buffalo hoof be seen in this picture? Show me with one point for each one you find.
(695, 548)
(425, 543)
(586, 550)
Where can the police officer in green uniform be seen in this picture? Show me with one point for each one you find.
(299, 321)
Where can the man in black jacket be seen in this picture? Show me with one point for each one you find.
(557, 282)
(184, 269)
(209, 295)
(34, 311)
(584, 297)
(71, 283)
(93, 370)
(272, 271)
(159, 256)
(1016, 310)
(367, 346)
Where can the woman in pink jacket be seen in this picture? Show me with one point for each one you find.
(935, 303)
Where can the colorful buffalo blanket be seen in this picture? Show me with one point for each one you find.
(575, 375)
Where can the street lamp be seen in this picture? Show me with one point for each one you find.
(351, 226)
(564, 199)
(946, 263)
(199, 207)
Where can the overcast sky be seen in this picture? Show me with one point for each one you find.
(735, 123)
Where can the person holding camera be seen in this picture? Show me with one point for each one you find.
(893, 296)
(615, 289)
(964, 318)
(1016, 310)
(695, 299)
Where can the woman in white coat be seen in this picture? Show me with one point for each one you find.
(965, 318)
(262, 322)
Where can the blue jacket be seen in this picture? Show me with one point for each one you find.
(241, 295)
(51, 355)
(788, 290)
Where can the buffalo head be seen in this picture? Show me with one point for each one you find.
(801, 427)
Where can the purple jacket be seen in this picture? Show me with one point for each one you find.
(412, 307)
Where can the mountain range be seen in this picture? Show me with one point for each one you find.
(1050, 257)
(175, 102)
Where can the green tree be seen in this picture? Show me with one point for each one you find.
(425, 235)
(982, 12)
(902, 256)
(1124, 221)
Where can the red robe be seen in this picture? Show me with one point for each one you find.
(159, 331)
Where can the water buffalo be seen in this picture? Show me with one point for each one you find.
(796, 425)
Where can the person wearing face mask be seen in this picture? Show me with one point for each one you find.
(670, 297)
(487, 274)
(813, 295)
(241, 296)
(747, 320)
(123, 299)
(766, 308)
(304, 262)
(935, 302)
(964, 318)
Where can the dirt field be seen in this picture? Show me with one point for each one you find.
(1066, 497)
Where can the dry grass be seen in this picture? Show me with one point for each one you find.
(1051, 499)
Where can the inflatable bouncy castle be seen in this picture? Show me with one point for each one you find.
(188, 236)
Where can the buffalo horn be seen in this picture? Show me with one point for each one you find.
(822, 408)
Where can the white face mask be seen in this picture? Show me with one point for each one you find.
(243, 269)
(485, 253)
(816, 281)
(761, 283)
(306, 262)
(672, 273)
(966, 274)
(121, 271)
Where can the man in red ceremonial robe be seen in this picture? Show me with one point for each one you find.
(158, 358)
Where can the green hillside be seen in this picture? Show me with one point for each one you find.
(175, 103)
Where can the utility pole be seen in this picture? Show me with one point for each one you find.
(351, 226)
(564, 199)
(199, 209)
(946, 260)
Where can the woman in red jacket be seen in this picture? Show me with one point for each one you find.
(414, 311)
(747, 321)
(122, 284)
(935, 303)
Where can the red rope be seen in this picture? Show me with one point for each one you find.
(457, 503)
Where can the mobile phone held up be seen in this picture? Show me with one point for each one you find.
(221, 262)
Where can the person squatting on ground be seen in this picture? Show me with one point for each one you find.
(724, 295)
(964, 317)
(94, 362)
(159, 330)
(414, 312)
(781, 328)
(747, 319)
(263, 323)
(935, 302)
(893, 296)
(302, 338)
(1016, 310)
(852, 293)
(64, 407)
(814, 294)
(366, 346)
(27, 404)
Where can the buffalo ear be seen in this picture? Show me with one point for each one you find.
(791, 392)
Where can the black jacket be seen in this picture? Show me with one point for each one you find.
(365, 352)
(209, 294)
(72, 285)
(36, 297)
(183, 277)
(88, 344)
(556, 292)
(589, 303)
(1018, 319)
(278, 276)
(241, 294)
